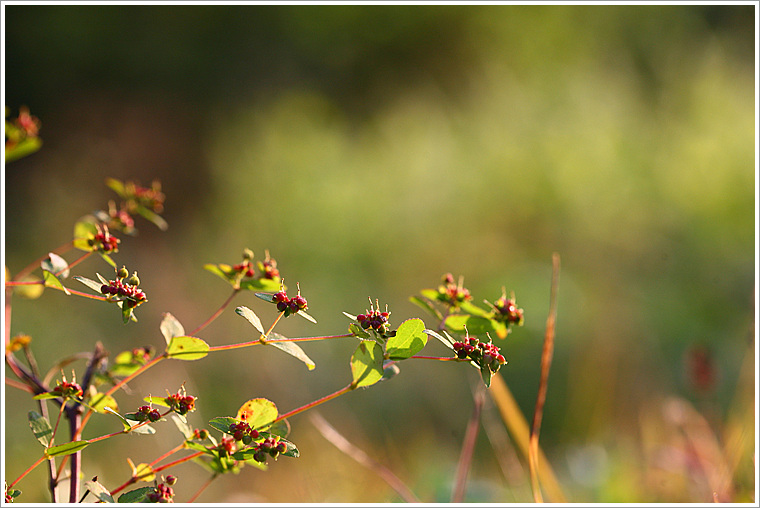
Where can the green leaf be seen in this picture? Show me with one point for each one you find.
(187, 348)
(222, 271)
(99, 491)
(476, 325)
(306, 316)
(185, 428)
(279, 428)
(260, 285)
(126, 312)
(117, 186)
(390, 371)
(431, 294)
(267, 297)
(153, 217)
(367, 364)
(171, 327)
(251, 317)
(136, 496)
(40, 427)
(486, 374)
(108, 259)
(469, 308)
(56, 265)
(350, 316)
(85, 228)
(100, 401)
(26, 146)
(127, 425)
(358, 331)
(161, 401)
(54, 282)
(292, 349)
(45, 396)
(447, 340)
(95, 286)
(144, 429)
(409, 340)
(427, 306)
(259, 413)
(222, 423)
(66, 449)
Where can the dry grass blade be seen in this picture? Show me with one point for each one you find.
(362, 458)
(546, 361)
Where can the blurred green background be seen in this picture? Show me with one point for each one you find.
(371, 149)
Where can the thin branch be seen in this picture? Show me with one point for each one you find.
(468, 447)
(546, 362)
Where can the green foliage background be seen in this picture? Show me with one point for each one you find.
(371, 149)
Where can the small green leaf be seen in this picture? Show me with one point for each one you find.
(469, 308)
(279, 428)
(187, 348)
(447, 340)
(26, 146)
(56, 265)
(350, 316)
(222, 423)
(100, 401)
(427, 306)
(292, 349)
(99, 491)
(117, 186)
(409, 340)
(126, 312)
(259, 413)
(161, 401)
(223, 271)
(171, 327)
(358, 331)
(185, 428)
(108, 259)
(153, 217)
(144, 429)
(476, 325)
(267, 297)
(260, 285)
(44, 396)
(367, 364)
(486, 374)
(251, 317)
(54, 282)
(66, 448)
(431, 294)
(95, 286)
(390, 371)
(40, 427)
(306, 316)
(136, 496)
(127, 425)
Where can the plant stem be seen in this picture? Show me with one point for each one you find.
(217, 313)
(134, 479)
(203, 487)
(546, 362)
(28, 470)
(35, 264)
(315, 403)
(283, 339)
(468, 447)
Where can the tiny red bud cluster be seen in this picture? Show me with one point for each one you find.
(227, 446)
(148, 197)
(270, 446)
(482, 353)
(104, 240)
(241, 431)
(132, 295)
(68, 390)
(268, 268)
(200, 434)
(147, 413)
(453, 293)
(142, 354)
(375, 320)
(181, 403)
(163, 493)
(505, 309)
(289, 305)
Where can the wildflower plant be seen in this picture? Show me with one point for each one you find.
(256, 434)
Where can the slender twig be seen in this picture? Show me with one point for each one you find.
(315, 403)
(202, 488)
(468, 447)
(217, 313)
(134, 479)
(35, 264)
(278, 339)
(362, 458)
(546, 361)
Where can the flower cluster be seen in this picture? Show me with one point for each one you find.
(104, 240)
(453, 293)
(126, 290)
(120, 219)
(163, 493)
(147, 413)
(11, 494)
(241, 431)
(505, 309)
(270, 446)
(482, 353)
(148, 197)
(375, 319)
(268, 267)
(67, 390)
(181, 403)
(289, 305)
(200, 434)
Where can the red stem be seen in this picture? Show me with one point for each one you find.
(315, 403)
(216, 314)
